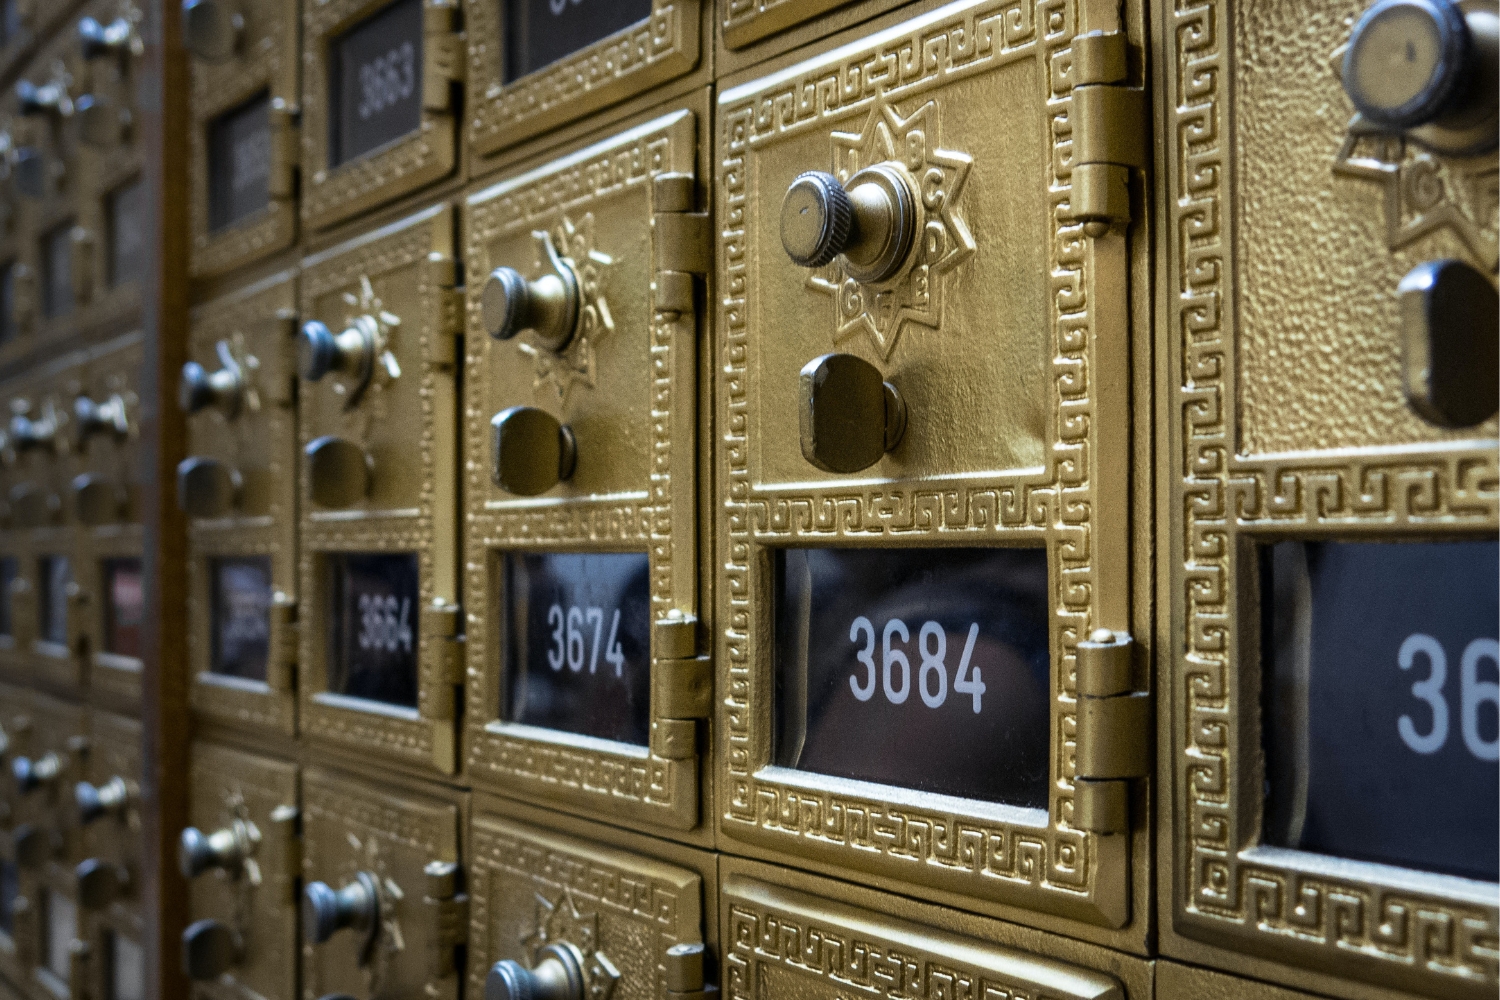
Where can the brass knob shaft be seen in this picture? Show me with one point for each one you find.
(46, 99)
(198, 388)
(27, 434)
(548, 305)
(1450, 349)
(349, 352)
(212, 30)
(97, 39)
(210, 948)
(206, 487)
(849, 416)
(325, 911)
(870, 222)
(531, 451)
(32, 775)
(90, 418)
(558, 975)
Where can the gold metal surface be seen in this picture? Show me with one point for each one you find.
(625, 384)
(265, 58)
(331, 194)
(1183, 982)
(1005, 333)
(256, 441)
(742, 22)
(404, 420)
(108, 878)
(1283, 417)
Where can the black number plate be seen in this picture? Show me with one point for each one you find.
(1380, 693)
(540, 32)
(124, 606)
(372, 649)
(579, 651)
(56, 574)
(375, 83)
(925, 669)
(241, 617)
(239, 163)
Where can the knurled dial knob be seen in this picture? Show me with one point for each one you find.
(351, 351)
(816, 219)
(1412, 62)
(97, 801)
(546, 305)
(870, 223)
(558, 975)
(211, 29)
(198, 388)
(31, 774)
(90, 418)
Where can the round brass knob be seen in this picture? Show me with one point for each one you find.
(209, 949)
(90, 418)
(206, 487)
(212, 29)
(325, 912)
(338, 472)
(30, 845)
(100, 883)
(198, 388)
(351, 351)
(548, 305)
(31, 774)
(97, 40)
(225, 849)
(96, 500)
(97, 801)
(47, 99)
(531, 452)
(1451, 353)
(849, 416)
(558, 975)
(869, 222)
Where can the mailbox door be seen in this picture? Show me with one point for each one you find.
(17, 925)
(258, 902)
(378, 551)
(926, 677)
(352, 827)
(244, 143)
(788, 934)
(242, 596)
(105, 502)
(531, 886)
(1330, 512)
(534, 66)
(380, 84)
(615, 544)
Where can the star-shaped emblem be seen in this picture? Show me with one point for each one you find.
(1421, 192)
(573, 243)
(563, 922)
(389, 940)
(915, 294)
(369, 312)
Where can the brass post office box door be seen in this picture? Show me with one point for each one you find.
(533, 66)
(1330, 507)
(784, 938)
(610, 541)
(106, 801)
(17, 926)
(379, 544)
(244, 859)
(379, 91)
(238, 486)
(924, 399)
(104, 498)
(384, 849)
(244, 147)
(536, 894)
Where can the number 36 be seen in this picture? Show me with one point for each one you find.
(1472, 693)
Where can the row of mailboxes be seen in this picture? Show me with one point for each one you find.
(72, 563)
(70, 919)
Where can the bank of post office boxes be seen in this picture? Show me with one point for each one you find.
(535, 66)
(238, 487)
(243, 857)
(927, 677)
(379, 659)
(244, 147)
(785, 933)
(596, 912)
(1330, 502)
(105, 500)
(107, 879)
(383, 901)
(583, 592)
(380, 89)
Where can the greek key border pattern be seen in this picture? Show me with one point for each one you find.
(1377, 932)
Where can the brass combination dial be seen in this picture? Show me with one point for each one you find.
(871, 222)
(557, 975)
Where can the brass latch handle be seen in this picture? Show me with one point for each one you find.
(207, 488)
(96, 499)
(47, 99)
(31, 845)
(32, 775)
(90, 418)
(100, 883)
(325, 911)
(531, 451)
(210, 948)
(349, 352)
(212, 30)
(558, 975)
(117, 38)
(1450, 353)
(546, 305)
(198, 388)
(849, 416)
(871, 222)
(339, 472)
(226, 849)
(97, 801)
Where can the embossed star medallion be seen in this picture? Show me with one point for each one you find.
(1422, 192)
(370, 312)
(574, 243)
(366, 855)
(943, 241)
(562, 922)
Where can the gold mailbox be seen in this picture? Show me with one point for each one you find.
(242, 856)
(379, 92)
(546, 906)
(383, 905)
(238, 487)
(790, 934)
(244, 145)
(107, 879)
(533, 67)
(1329, 515)
(931, 675)
(105, 499)
(378, 548)
(586, 689)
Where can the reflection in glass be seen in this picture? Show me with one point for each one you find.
(372, 636)
(241, 617)
(127, 969)
(924, 669)
(124, 606)
(56, 574)
(578, 655)
(1379, 687)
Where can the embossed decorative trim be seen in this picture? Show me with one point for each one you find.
(744, 22)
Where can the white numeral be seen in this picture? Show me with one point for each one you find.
(865, 656)
(570, 639)
(384, 623)
(895, 667)
(965, 682)
(1472, 693)
(387, 80)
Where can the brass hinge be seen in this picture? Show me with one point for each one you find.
(441, 277)
(450, 916)
(286, 150)
(681, 686)
(683, 973)
(281, 658)
(443, 54)
(1109, 131)
(439, 630)
(1114, 733)
(681, 239)
(284, 829)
